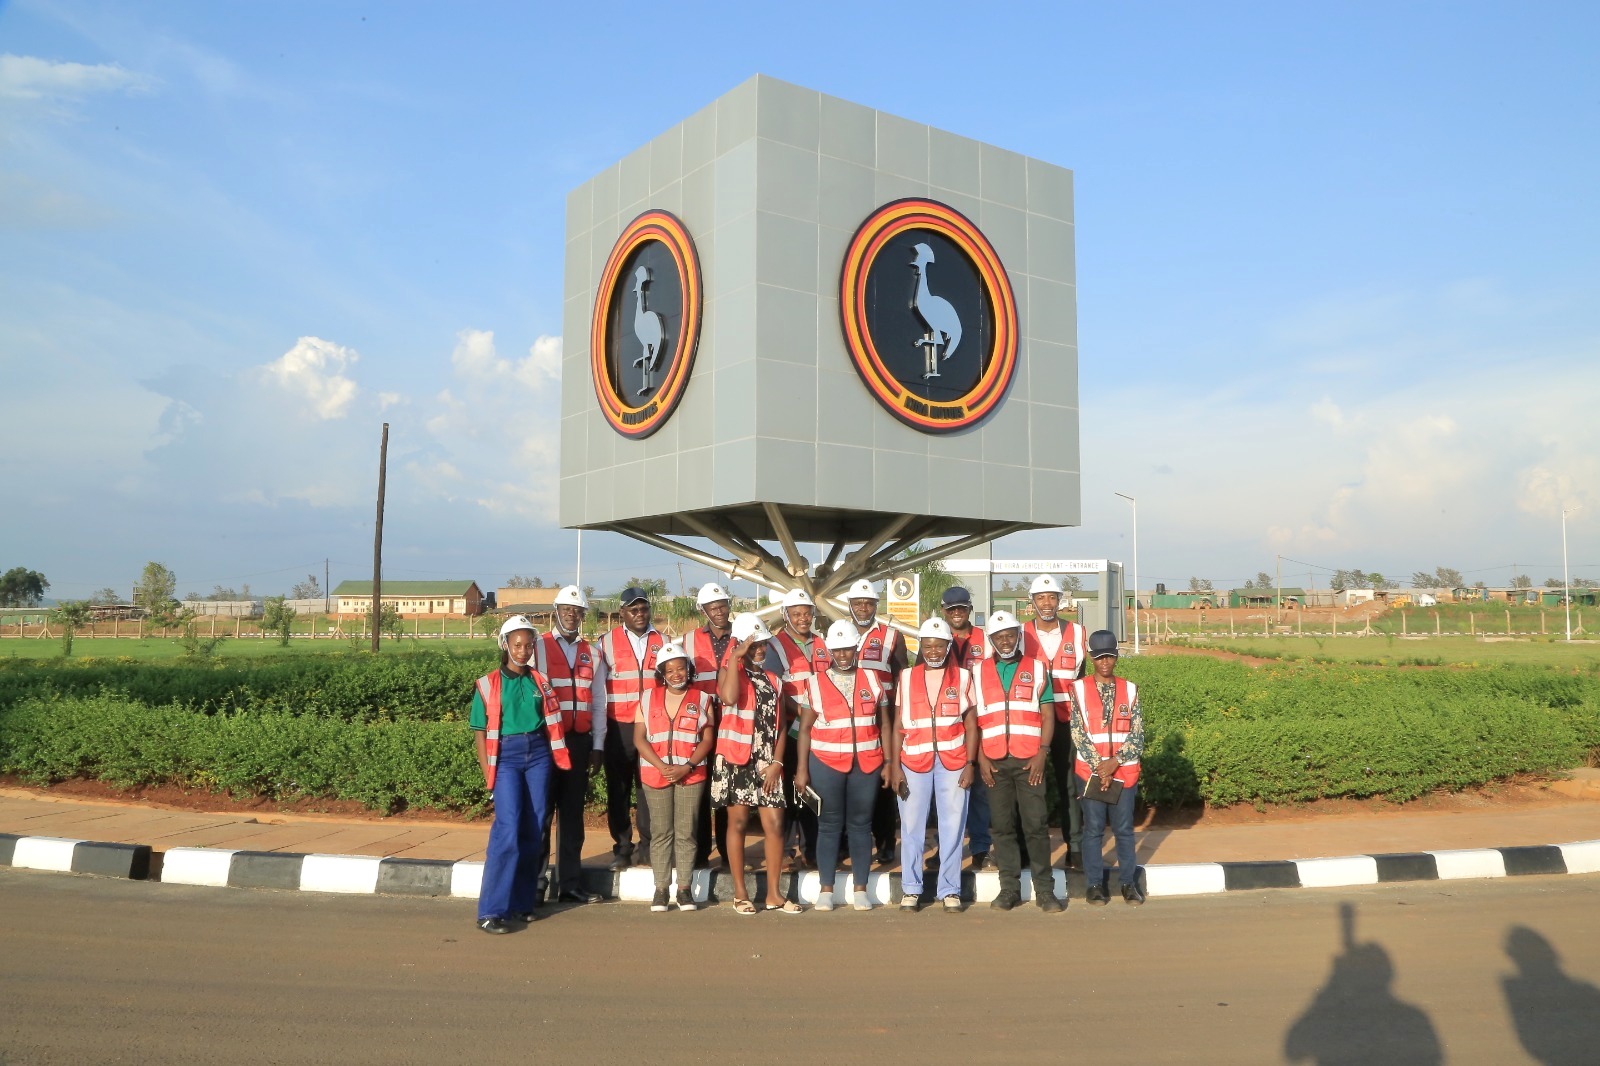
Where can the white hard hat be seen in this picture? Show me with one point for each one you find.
(1001, 620)
(862, 590)
(749, 627)
(1044, 583)
(797, 598)
(670, 650)
(842, 634)
(711, 593)
(514, 623)
(572, 596)
(936, 628)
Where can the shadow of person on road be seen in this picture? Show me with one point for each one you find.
(1355, 1017)
(1169, 783)
(1557, 1017)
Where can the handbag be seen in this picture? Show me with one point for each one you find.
(1099, 790)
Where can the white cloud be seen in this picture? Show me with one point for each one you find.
(314, 370)
(33, 78)
(1546, 492)
(1327, 412)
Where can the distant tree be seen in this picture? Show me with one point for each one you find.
(154, 590)
(1449, 578)
(588, 592)
(1200, 585)
(1553, 583)
(1583, 583)
(105, 597)
(389, 620)
(1071, 585)
(21, 587)
(278, 617)
(309, 589)
(933, 578)
(1522, 581)
(1378, 581)
(654, 587)
(517, 581)
(1479, 585)
(1262, 580)
(70, 616)
(1423, 579)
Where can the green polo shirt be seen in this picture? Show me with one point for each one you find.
(521, 706)
(1007, 669)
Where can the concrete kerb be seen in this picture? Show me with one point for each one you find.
(374, 875)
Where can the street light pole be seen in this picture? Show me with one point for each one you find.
(1135, 503)
(1566, 582)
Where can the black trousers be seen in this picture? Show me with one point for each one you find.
(622, 780)
(885, 822)
(1061, 757)
(710, 825)
(1018, 812)
(795, 812)
(568, 790)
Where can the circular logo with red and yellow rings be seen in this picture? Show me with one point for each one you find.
(929, 316)
(646, 324)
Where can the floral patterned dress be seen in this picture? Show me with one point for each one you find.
(733, 785)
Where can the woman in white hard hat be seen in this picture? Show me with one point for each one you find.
(706, 646)
(796, 654)
(673, 735)
(520, 734)
(748, 770)
(841, 757)
(931, 753)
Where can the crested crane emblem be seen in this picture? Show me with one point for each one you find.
(646, 324)
(936, 344)
(941, 325)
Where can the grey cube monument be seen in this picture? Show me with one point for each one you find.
(791, 318)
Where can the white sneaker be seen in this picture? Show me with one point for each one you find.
(861, 902)
(825, 900)
(909, 903)
(952, 903)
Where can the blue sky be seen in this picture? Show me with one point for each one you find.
(1337, 270)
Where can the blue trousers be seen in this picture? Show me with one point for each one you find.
(978, 836)
(521, 805)
(1096, 816)
(847, 801)
(938, 789)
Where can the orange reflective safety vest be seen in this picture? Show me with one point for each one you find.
(925, 729)
(1086, 695)
(797, 669)
(846, 728)
(737, 730)
(1009, 723)
(698, 644)
(673, 737)
(626, 676)
(876, 648)
(574, 684)
(1065, 665)
(554, 722)
(973, 651)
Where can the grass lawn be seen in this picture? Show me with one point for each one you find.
(1427, 651)
(156, 648)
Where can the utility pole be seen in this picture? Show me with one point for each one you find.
(1135, 503)
(1280, 588)
(327, 593)
(1566, 581)
(377, 539)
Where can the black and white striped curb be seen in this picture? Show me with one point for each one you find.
(67, 855)
(437, 877)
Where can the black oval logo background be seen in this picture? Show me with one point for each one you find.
(896, 328)
(663, 296)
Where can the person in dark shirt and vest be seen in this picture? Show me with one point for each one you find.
(520, 736)
(629, 652)
(706, 646)
(967, 648)
(1061, 644)
(1108, 733)
(796, 653)
(879, 649)
(1015, 723)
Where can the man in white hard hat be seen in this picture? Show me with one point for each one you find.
(706, 645)
(931, 751)
(577, 673)
(1064, 646)
(880, 649)
(630, 656)
(796, 654)
(1013, 695)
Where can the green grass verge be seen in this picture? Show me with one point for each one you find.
(1392, 650)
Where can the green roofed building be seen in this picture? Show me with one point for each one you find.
(1265, 597)
(413, 597)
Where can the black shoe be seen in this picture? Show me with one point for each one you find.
(1097, 895)
(1005, 901)
(1073, 861)
(641, 858)
(686, 900)
(493, 925)
(580, 896)
(980, 859)
(1132, 896)
(621, 862)
(1050, 903)
(885, 856)
(527, 917)
(659, 903)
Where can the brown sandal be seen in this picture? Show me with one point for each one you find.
(743, 906)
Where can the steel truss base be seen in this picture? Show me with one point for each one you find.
(876, 557)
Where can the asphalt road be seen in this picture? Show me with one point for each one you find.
(96, 970)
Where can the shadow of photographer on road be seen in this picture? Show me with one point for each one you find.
(1557, 1017)
(1355, 1017)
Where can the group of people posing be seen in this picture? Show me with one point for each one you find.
(834, 734)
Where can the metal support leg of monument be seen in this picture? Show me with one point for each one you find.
(747, 558)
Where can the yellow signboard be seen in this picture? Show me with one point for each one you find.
(905, 605)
